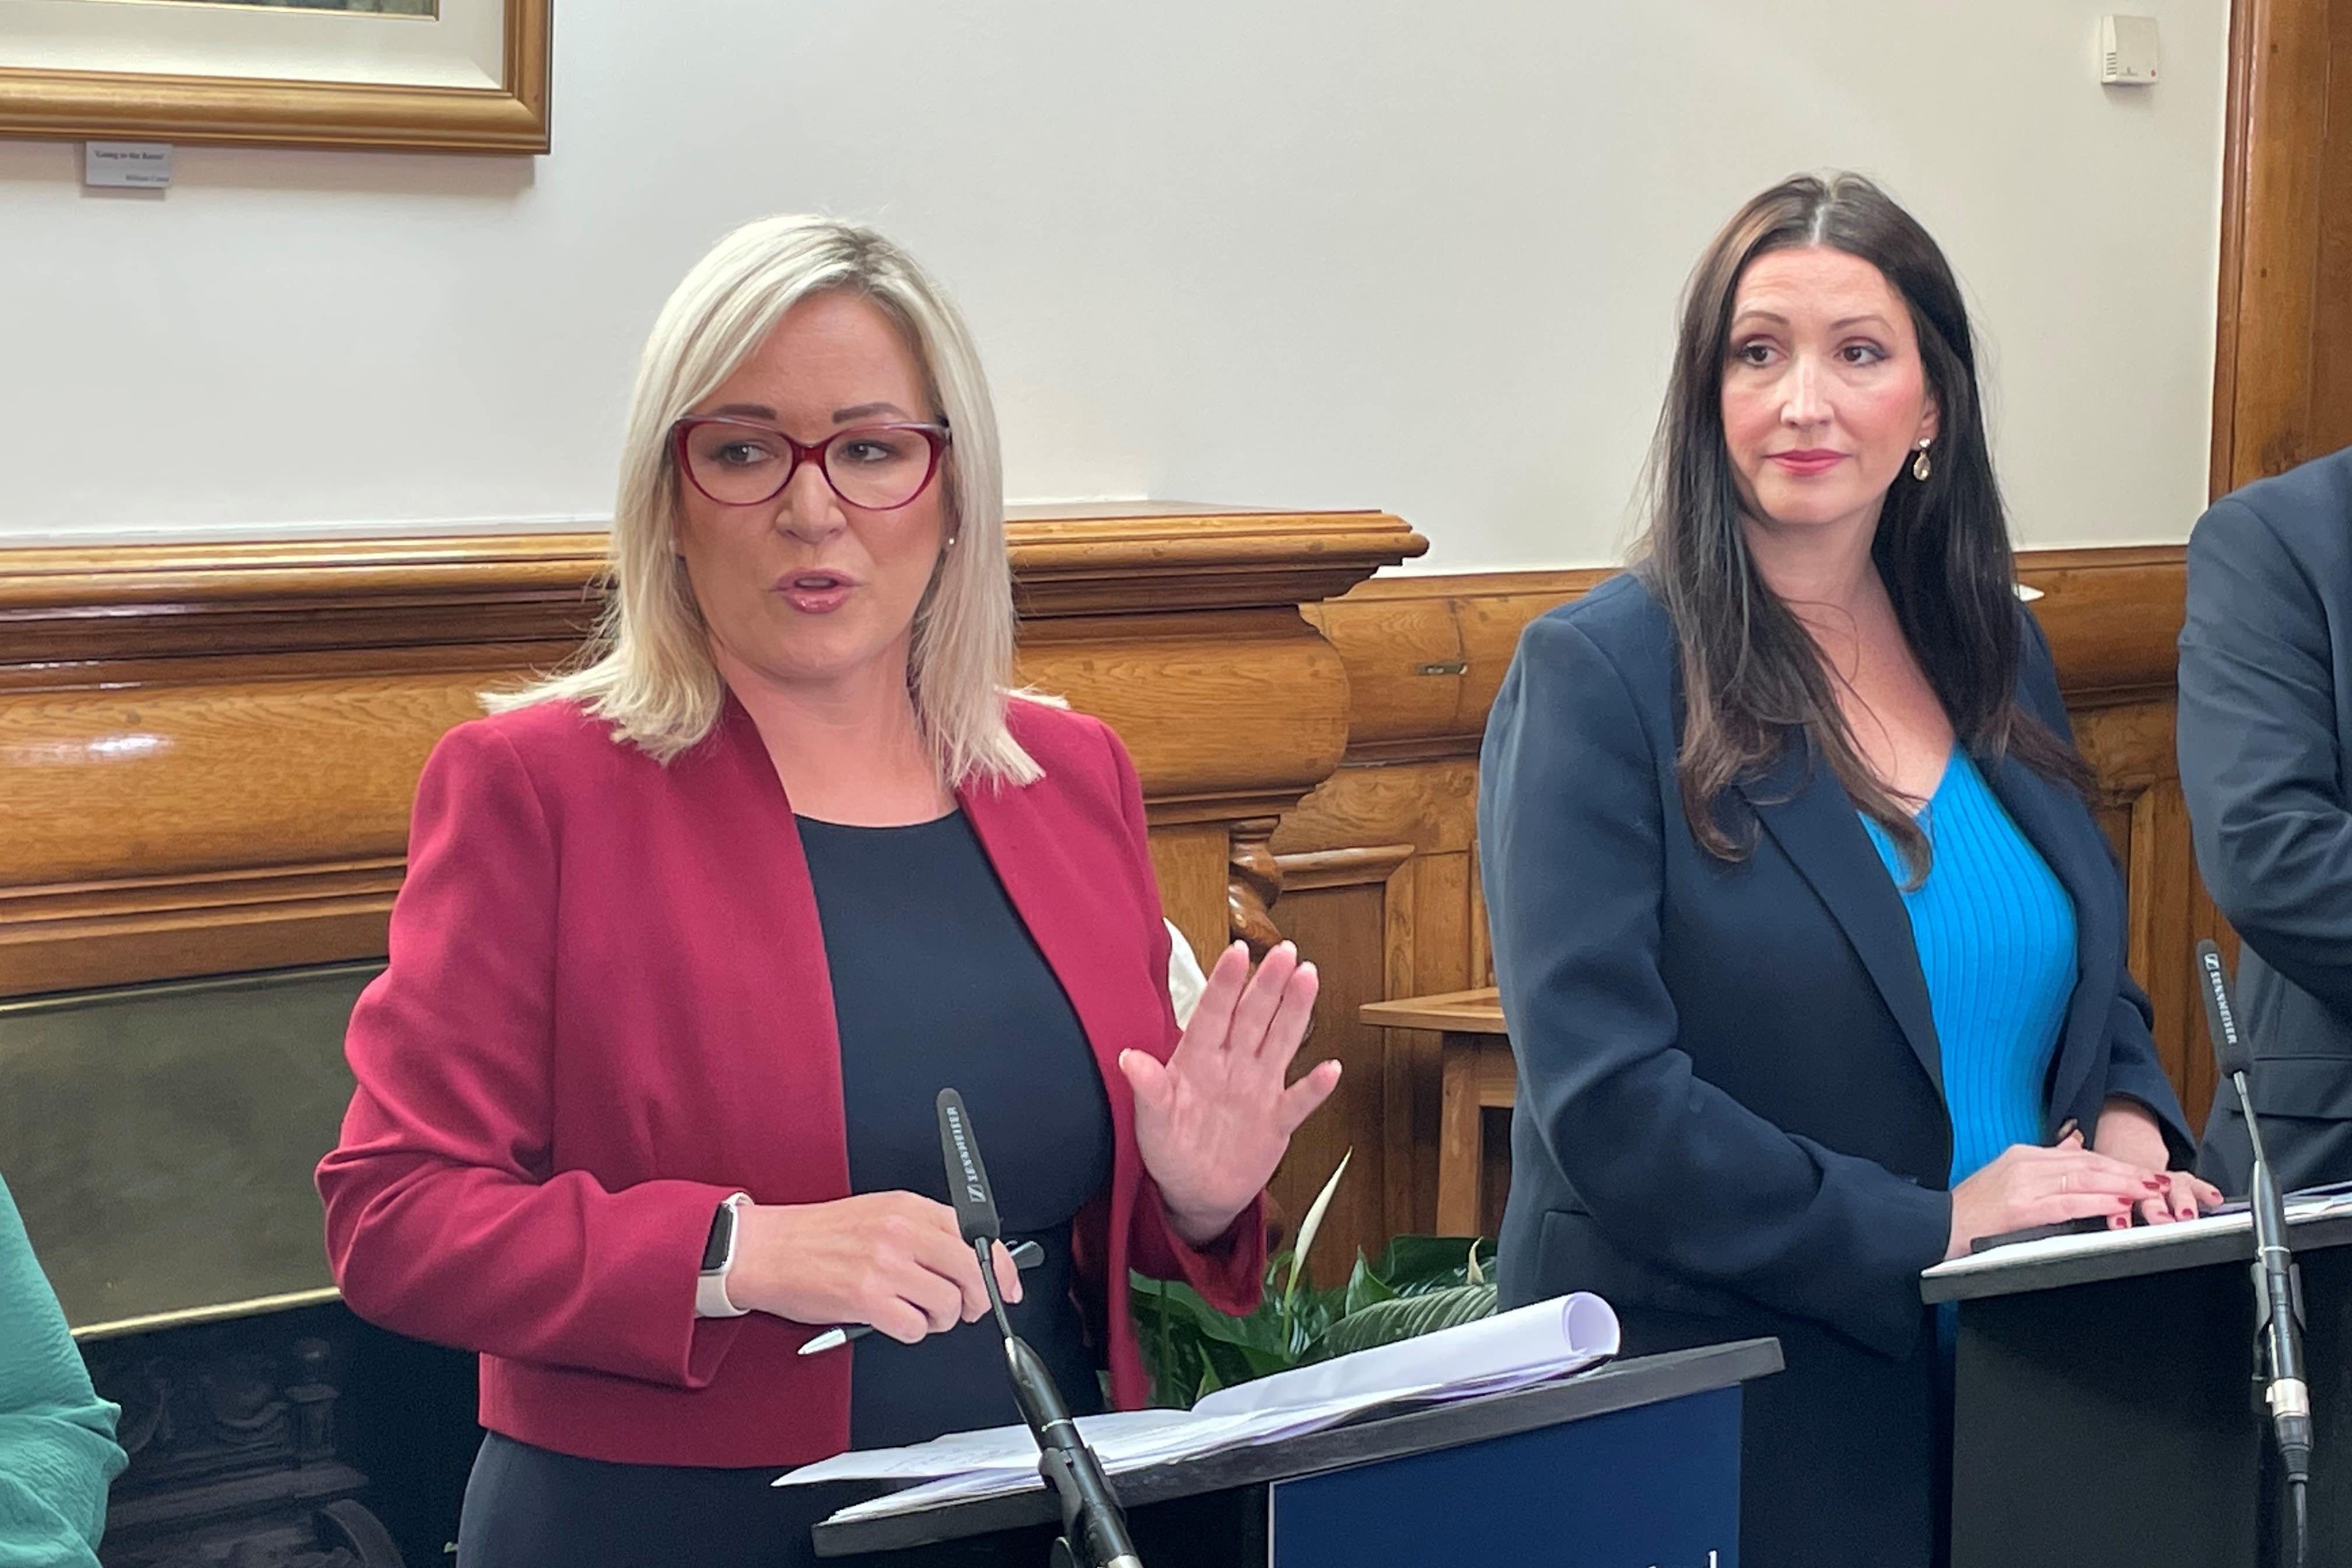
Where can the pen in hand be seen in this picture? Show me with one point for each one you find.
(1025, 1255)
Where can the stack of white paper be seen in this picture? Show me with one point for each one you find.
(1511, 1350)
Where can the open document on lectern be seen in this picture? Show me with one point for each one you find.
(1512, 1349)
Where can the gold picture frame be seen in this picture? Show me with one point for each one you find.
(156, 106)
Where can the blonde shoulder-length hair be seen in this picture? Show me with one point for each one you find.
(649, 670)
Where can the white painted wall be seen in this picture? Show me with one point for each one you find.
(1314, 252)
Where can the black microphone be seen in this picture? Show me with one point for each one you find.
(968, 1190)
(1094, 1526)
(2278, 1283)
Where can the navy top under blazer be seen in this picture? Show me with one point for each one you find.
(1730, 1119)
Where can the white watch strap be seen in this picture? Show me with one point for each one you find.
(711, 1286)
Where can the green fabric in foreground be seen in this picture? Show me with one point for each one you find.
(58, 1453)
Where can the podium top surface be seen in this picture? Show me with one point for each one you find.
(1619, 1386)
(2060, 1262)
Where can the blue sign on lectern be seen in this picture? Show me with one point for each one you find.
(1653, 1487)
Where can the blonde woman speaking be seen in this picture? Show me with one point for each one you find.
(693, 936)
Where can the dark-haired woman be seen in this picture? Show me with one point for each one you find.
(1812, 950)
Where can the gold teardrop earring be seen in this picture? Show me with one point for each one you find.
(1921, 467)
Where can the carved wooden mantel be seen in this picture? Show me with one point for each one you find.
(209, 750)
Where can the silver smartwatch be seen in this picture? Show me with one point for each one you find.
(717, 1258)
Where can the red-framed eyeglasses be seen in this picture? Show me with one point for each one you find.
(875, 468)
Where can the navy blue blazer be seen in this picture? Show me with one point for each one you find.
(1730, 1119)
(2265, 714)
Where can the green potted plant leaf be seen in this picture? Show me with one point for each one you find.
(1418, 1285)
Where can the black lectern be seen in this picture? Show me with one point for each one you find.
(1637, 1462)
(2104, 1403)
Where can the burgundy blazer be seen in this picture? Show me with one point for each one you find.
(608, 1007)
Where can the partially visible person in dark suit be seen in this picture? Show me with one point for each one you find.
(1811, 951)
(2265, 711)
(58, 1453)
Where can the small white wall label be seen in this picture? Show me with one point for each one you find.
(143, 165)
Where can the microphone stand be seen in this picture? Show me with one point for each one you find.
(2278, 1307)
(2278, 1280)
(1094, 1526)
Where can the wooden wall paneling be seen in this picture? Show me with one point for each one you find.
(1403, 657)
(1230, 715)
(1171, 555)
(1253, 882)
(2237, 149)
(2331, 332)
(1429, 804)
(1190, 861)
(2169, 913)
(1494, 1141)
(133, 817)
(2112, 616)
(2283, 361)
(2116, 822)
(1444, 960)
(1224, 710)
(1353, 912)
(1492, 610)
(210, 749)
(1494, 1174)
(2110, 613)
(319, 770)
(1482, 941)
(1411, 1128)
(1425, 654)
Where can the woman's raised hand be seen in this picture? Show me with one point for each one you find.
(892, 1259)
(1212, 1121)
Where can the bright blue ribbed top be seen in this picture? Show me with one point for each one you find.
(1996, 936)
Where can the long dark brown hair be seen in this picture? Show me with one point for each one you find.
(1752, 677)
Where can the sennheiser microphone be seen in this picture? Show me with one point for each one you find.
(2278, 1283)
(969, 1194)
(1094, 1526)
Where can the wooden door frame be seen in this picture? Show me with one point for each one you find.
(2273, 198)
